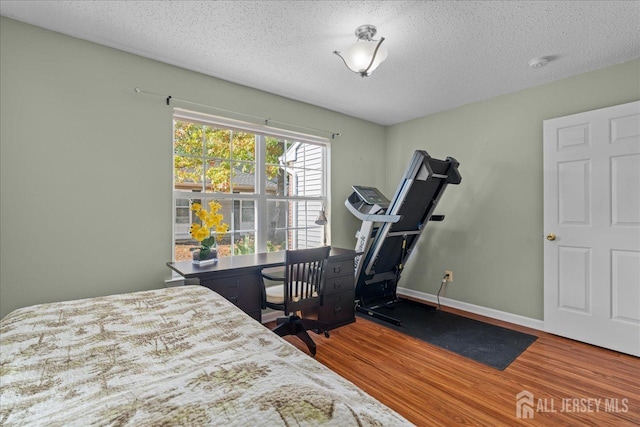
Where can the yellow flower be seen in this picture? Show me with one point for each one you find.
(202, 214)
(202, 234)
(211, 220)
(198, 232)
(193, 229)
(214, 206)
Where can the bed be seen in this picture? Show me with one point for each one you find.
(180, 356)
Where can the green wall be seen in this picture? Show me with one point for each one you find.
(86, 163)
(85, 172)
(492, 237)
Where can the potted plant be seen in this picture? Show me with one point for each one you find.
(204, 232)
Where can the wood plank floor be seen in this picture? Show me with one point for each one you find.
(572, 383)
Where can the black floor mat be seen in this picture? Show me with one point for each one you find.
(488, 344)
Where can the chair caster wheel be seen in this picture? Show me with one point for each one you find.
(326, 334)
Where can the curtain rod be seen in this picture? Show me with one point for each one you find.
(169, 98)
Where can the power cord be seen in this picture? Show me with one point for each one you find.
(444, 280)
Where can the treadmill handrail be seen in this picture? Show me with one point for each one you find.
(371, 217)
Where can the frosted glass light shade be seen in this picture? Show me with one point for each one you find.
(358, 56)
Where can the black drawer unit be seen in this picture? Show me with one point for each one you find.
(242, 290)
(337, 306)
(338, 284)
(339, 268)
(337, 309)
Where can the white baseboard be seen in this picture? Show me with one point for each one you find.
(271, 316)
(476, 309)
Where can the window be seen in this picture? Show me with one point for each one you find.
(271, 184)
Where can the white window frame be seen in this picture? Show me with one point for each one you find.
(260, 197)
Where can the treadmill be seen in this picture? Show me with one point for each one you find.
(391, 228)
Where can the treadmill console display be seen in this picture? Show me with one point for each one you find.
(371, 195)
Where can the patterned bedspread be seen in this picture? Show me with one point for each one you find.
(181, 356)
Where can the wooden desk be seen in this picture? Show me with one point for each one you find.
(238, 280)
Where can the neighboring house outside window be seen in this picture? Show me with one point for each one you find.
(271, 184)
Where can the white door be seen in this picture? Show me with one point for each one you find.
(592, 227)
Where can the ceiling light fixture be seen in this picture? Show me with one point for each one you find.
(365, 54)
(538, 62)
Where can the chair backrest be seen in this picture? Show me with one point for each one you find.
(304, 277)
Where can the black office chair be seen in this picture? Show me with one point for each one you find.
(302, 282)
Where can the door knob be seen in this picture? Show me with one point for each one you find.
(551, 237)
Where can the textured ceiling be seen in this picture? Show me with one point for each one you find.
(442, 54)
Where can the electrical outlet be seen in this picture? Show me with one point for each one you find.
(449, 275)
